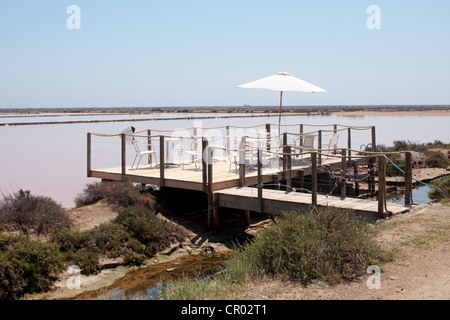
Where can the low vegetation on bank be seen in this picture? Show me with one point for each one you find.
(31, 266)
(330, 245)
(430, 155)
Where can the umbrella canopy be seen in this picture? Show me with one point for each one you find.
(281, 82)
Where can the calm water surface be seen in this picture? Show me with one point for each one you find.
(50, 160)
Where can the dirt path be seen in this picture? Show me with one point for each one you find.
(420, 270)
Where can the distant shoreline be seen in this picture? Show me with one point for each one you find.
(224, 109)
(203, 113)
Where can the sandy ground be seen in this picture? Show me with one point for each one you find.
(421, 272)
(90, 216)
(362, 113)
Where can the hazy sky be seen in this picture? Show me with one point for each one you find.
(195, 52)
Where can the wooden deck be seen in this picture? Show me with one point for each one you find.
(229, 185)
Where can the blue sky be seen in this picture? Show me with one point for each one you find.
(195, 52)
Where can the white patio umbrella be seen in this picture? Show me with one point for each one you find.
(281, 82)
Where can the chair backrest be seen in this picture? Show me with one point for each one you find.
(333, 141)
(308, 142)
(135, 146)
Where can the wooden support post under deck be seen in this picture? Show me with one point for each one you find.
(314, 179)
(161, 161)
(123, 154)
(408, 179)
(215, 211)
(381, 185)
(344, 171)
(247, 217)
(89, 155)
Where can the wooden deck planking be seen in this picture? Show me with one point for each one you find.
(189, 178)
(273, 199)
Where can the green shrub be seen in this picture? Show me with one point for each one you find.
(32, 214)
(392, 171)
(118, 194)
(437, 160)
(152, 232)
(27, 266)
(440, 190)
(328, 245)
(135, 235)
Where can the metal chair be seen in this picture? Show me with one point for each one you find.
(140, 153)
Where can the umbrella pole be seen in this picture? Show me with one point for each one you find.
(279, 114)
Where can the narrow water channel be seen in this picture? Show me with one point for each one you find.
(419, 195)
(149, 282)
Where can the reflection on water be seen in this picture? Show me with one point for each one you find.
(50, 160)
(148, 283)
(419, 195)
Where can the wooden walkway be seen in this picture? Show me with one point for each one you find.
(276, 201)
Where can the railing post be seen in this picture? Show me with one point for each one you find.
(319, 146)
(149, 145)
(284, 150)
(123, 154)
(301, 136)
(210, 186)
(314, 179)
(89, 155)
(260, 189)
(268, 135)
(381, 185)
(373, 159)
(344, 171)
(408, 179)
(161, 161)
(204, 165)
(228, 141)
(288, 166)
(349, 144)
(242, 162)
